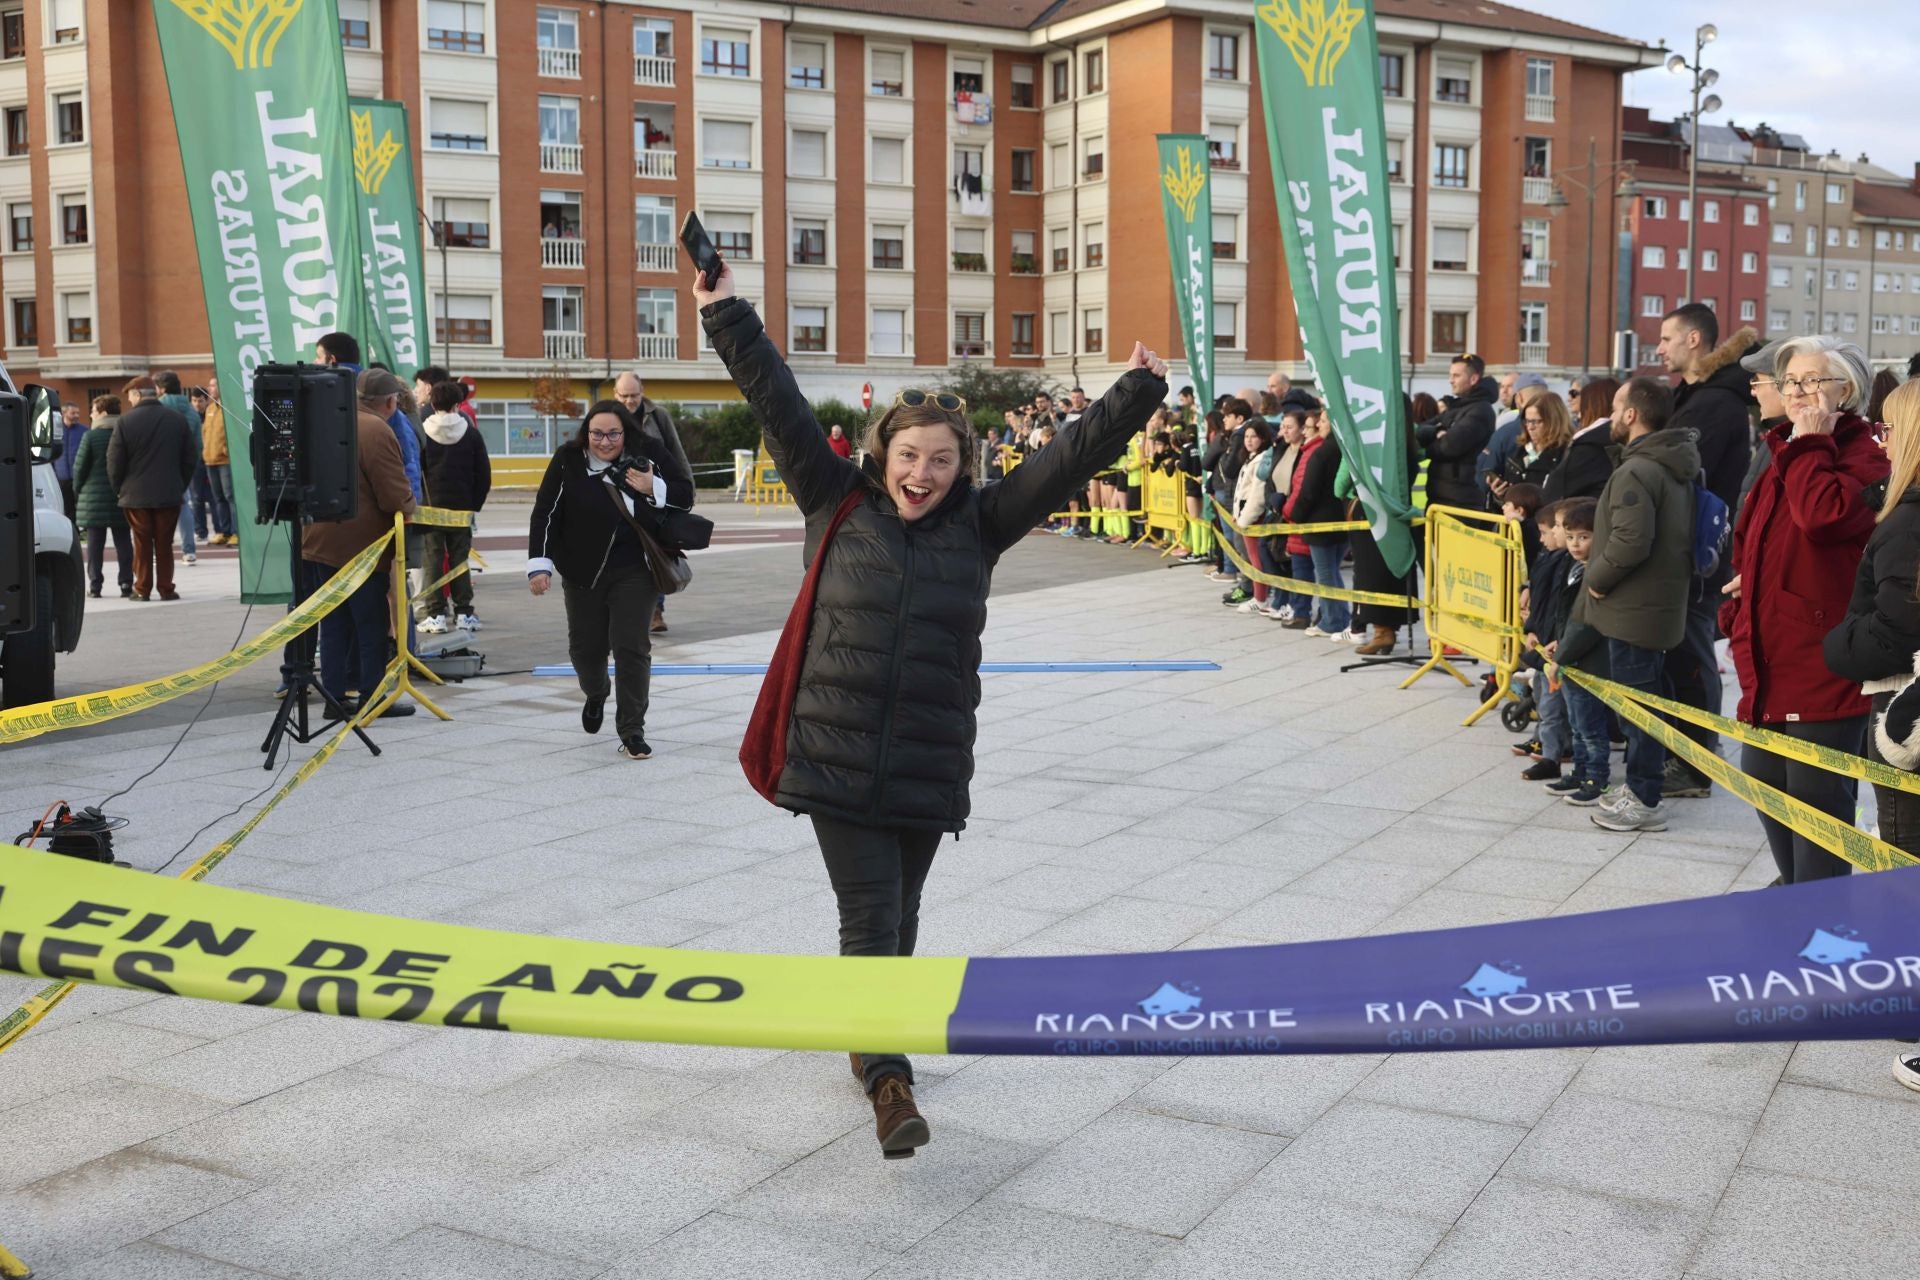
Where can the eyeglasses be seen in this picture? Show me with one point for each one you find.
(1536, 422)
(945, 400)
(1809, 386)
(606, 435)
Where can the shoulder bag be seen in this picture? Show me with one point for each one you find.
(671, 570)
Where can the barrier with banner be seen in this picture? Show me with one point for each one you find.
(1471, 596)
(765, 488)
(1164, 498)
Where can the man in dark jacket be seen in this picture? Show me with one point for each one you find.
(1638, 576)
(656, 423)
(1454, 439)
(150, 461)
(1711, 401)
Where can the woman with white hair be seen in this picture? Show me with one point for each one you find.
(1796, 546)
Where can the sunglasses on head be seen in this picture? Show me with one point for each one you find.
(944, 400)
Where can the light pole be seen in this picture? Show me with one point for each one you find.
(1703, 78)
(1557, 202)
(446, 306)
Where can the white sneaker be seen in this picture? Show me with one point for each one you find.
(468, 622)
(434, 626)
(1252, 606)
(192, 559)
(1615, 796)
(1631, 815)
(1906, 1069)
(1278, 614)
(1315, 633)
(1284, 613)
(1344, 637)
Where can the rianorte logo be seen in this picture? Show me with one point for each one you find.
(1171, 1019)
(1498, 1008)
(247, 29)
(1840, 979)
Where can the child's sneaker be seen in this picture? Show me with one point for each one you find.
(1540, 771)
(1586, 797)
(1531, 747)
(1565, 786)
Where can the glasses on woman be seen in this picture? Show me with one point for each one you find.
(944, 400)
(1808, 386)
(606, 435)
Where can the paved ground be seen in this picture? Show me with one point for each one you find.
(1275, 800)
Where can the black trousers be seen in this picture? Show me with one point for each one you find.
(1693, 669)
(1799, 858)
(614, 615)
(1899, 810)
(877, 874)
(97, 555)
(1370, 573)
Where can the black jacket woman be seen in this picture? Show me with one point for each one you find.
(880, 743)
(582, 528)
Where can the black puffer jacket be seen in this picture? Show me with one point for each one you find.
(883, 723)
(1589, 461)
(1454, 441)
(1881, 632)
(576, 530)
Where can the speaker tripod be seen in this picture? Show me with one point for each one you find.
(292, 720)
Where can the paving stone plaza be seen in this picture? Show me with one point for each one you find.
(1275, 800)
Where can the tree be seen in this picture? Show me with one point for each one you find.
(553, 394)
(985, 388)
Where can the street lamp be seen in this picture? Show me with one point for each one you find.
(1557, 204)
(1704, 77)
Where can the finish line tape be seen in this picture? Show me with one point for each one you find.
(986, 668)
(1836, 959)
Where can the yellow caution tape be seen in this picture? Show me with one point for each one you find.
(441, 517)
(1315, 589)
(429, 591)
(109, 704)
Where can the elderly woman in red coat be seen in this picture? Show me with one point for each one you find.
(1796, 546)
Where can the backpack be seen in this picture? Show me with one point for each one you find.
(1712, 527)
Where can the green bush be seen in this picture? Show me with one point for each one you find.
(987, 388)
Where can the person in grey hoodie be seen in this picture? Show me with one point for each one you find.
(1638, 577)
(456, 473)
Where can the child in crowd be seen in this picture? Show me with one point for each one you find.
(1520, 502)
(1549, 573)
(1581, 647)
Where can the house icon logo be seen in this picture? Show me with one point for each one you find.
(1837, 947)
(1169, 999)
(1488, 980)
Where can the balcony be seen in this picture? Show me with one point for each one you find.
(563, 64)
(659, 346)
(561, 157)
(1536, 271)
(1540, 107)
(653, 163)
(964, 348)
(566, 344)
(655, 257)
(1533, 353)
(970, 262)
(650, 70)
(1536, 190)
(563, 251)
(1024, 264)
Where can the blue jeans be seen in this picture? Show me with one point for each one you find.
(1330, 615)
(1587, 717)
(1300, 568)
(1640, 669)
(1555, 731)
(359, 621)
(220, 484)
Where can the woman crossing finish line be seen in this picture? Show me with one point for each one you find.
(879, 742)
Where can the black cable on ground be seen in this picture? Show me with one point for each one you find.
(233, 812)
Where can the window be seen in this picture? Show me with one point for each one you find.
(1539, 77)
(1750, 214)
(1851, 281)
(1812, 284)
(26, 322)
(1058, 333)
(1879, 324)
(807, 64)
(1393, 75)
(1799, 196)
(1686, 210)
(69, 118)
(78, 308)
(1913, 325)
(889, 247)
(1709, 260)
(1806, 322)
(558, 30)
(1879, 282)
(1453, 80)
(1059, 167)
(1025, 254)
(1062, 253)
(1883, 239)
(1777, 321)
(653, 38)
(1450, 165)
(1913, 284)
(1773, 193)
(726, 144)
(1653, 255)
(1095, 71)
(73, 219)
(1833, 237)
(1450, 248)
(969, 248)
(1093, 240)
(1061, 74)
(1653, 306)
(1223, 145)
(969, 333)
(20, 227)
(1709, 304)
(1780, 278)
(732, 234)
(1680, 259)
(559, 122)
(17, 136)
(1022, 170)
(1535, 253)
(653, 311)
(809, 242)
(1896, 281)
(1021, 95)
(457, 26)
(1832, 280)
(1226, 325)
(809, 158)
(887, 335)
(1449, 331)
(1226, 236)
(1709, 211)
(653, 220)
(1829, 321)
(725, 52)
(1900, 241)
(970, 162)
(1811, 242)
(64, 19)
(455, 125)
(1783, 233)
(1836, 194)
(1533, 323)
(889, 77)
(355, 24)
(1399, 244)
(1849, 322)
(1396, 160)
(1653, 207)
(1536, 155)
(1223, 56)
(1853, 237)
(889, 162)
(1093, 330)
(1095, 151)
(1021, 336)
(809, 329)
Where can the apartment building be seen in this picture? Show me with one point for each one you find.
(899, 187)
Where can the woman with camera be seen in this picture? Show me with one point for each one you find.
(879, 737)
(601, 489)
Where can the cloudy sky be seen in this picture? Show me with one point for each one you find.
(1834, 74)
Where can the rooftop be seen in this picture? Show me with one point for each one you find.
(1880, 200)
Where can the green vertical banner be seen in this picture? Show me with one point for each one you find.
(1326, 135)
(1186, 198)
(392, 267)
(260, 107)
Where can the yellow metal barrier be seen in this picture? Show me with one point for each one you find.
(1164, 498)
(765, 488)
(1472, 596)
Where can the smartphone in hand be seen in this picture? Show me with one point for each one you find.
(706, 259)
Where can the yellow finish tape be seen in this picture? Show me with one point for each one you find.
(1315, 589)
(441, 517)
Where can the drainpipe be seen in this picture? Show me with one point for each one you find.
(606, 240)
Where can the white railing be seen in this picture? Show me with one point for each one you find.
(1533, 353)
(649, 70)
(1540, 107)
(565, 344)
(562, 64)
(653, 163)
(561, 157)
(563, 251)
(654, 257)
(1536, 271)
(1536, 190)
(659, 346)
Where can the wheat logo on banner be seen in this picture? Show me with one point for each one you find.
(247, 29)
(371, 161)
(1316, 39)
(1184, 184)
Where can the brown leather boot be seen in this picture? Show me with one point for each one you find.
(897, 1122)
(1381, 644)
